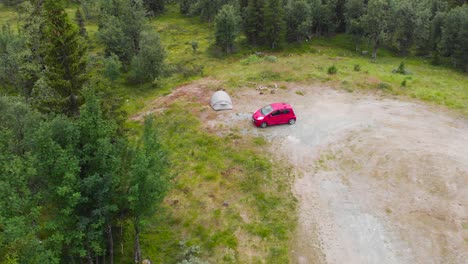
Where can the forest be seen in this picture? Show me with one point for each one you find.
(80, 183)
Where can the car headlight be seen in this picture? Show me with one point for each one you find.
(260, 118)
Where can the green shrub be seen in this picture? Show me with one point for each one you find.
(270, 76)
(186, 69)
(251, 59)
(357, 67)
(401, 69)
(194, 45)
(271, 59)
(403, 83)
(112, 67)
(384, 86)
(259, 141)
(332, 70)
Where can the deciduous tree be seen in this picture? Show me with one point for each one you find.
(156, 7)
(454, 37)
(149, 63)
(354, 9)
(375, 23)
(227, 26)
(148, 180)
(298, 21)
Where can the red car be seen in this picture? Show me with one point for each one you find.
(274, 114)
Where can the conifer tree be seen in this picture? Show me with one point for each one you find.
(254, 21)
(81, 23)
(298, 21)
(273, 25)
(64, 55)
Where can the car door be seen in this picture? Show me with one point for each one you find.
(285, 114)
(275, 118)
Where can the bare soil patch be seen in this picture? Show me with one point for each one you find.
(197, 92)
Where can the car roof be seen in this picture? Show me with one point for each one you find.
(279, 106)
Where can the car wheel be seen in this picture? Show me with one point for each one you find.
(264, 124)
(292, 121)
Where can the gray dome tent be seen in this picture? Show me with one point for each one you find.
(221, 101)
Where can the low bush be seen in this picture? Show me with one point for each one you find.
(271, 59)
(384, 86)
(332, 70)
(403, 83)
(401, 69)
(251, 59)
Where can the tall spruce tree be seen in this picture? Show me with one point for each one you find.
(254, 21)
(273, 23)
(80, 21)
(31, 26)
(64, 55)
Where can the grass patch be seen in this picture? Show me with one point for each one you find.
(8, 15)
(245, 203)
(465, 225)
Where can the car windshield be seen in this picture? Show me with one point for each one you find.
(266, 110)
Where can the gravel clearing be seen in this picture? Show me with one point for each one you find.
(378, 180)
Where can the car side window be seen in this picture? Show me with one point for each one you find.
(286, 111)
(275, 113)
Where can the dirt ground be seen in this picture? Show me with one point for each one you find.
(378, 180)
